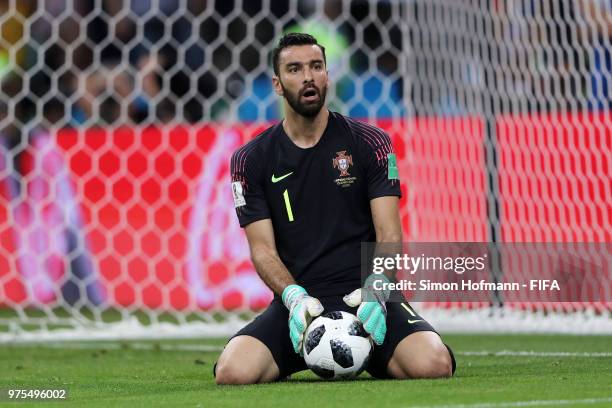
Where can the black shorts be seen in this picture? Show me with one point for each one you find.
(272, 329)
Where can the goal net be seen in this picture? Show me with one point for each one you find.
(118, 119)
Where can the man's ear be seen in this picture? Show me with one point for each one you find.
(277, 85)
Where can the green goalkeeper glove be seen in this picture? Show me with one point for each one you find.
(302, 308)
(372, 310)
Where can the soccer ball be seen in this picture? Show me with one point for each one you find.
(337, 346)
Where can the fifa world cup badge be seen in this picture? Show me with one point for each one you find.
(238, 195)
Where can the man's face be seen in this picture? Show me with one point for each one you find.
(302, 79)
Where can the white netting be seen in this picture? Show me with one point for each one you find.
(118, 118)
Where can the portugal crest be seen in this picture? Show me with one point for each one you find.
(342, 162)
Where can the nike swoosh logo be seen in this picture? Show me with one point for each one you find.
(277, 179)
(414, 321)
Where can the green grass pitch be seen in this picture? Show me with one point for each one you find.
(493, 371)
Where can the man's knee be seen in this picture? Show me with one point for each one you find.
(245, 360)
(231, 373)
(427, 358)
(437, 364)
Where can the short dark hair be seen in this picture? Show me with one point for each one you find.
(290, 40)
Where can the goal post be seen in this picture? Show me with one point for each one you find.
(118, 120)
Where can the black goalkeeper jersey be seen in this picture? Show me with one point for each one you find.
(318, 198)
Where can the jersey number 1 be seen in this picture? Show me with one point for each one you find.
(288, 205)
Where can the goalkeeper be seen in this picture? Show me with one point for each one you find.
(308, 191)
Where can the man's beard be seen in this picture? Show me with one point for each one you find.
(309, 110)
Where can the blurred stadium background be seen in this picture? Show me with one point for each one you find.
(118, 118)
